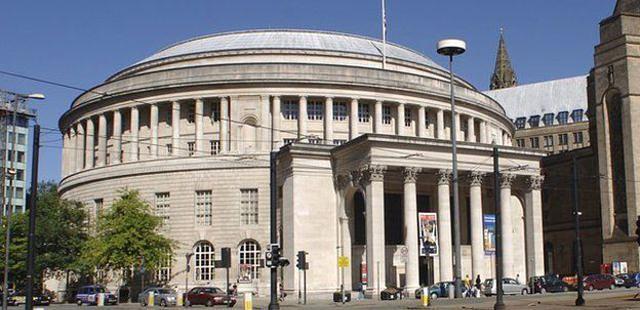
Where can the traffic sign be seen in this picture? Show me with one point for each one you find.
(343, 261)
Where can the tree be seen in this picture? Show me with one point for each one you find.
(127, 234)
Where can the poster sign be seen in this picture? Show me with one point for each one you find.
(428, 233)
(619, 267)
(489, 233)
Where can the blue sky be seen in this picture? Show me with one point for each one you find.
(81, 42)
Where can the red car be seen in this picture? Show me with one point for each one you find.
(209, 296)
(599, 282)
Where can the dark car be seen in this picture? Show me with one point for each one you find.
(599, 282)
(209, 296)
(89, 295)
(549, 283)
(391, 293)
(439, 290)
(19, 298)
(628, 279)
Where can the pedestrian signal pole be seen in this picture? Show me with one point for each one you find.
(576, 214)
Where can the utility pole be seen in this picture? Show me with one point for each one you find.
(576, 214)
(31, 254)
(273, 304)
(496, 188)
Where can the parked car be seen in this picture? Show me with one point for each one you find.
(549, 283)
(627, 280)
(509, 287)
(599, 282)
(438, 290)
(89, 295)
(19, 298)
(162, 297)
(572, 281)
(209, 296)
(391, 293)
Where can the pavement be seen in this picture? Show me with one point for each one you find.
(607, 299)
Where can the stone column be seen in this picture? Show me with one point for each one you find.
(275, 123)
(71, 151)
(102, 140)
(422, 123)
(377, 117)
(328, 120)
(373, 177)
(533, 227)
(224, 124)
(133, 155)
(302, 117)
(89, 145)
(400, 119)
(440, 134)
(265, 123)
(66, 141)
(80, 146)
(175, 128)
(411, 228)
(353, 119)
(471, 129)
(483, 132)
(475, 208)
(199, 112)
(444, 226)
(506, 224)
(117, 137)
(153, 123)
(459, 136)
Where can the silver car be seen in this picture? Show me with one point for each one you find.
(163, 297)
(509, 287)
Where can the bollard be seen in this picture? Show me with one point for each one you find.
(452, 291)
(425, 296)
(179, 301)
(100, 300)
(150, 299)
(248, 300)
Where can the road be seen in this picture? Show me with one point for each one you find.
(607, 299)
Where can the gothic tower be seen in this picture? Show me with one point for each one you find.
(614, 109)
(503, 75)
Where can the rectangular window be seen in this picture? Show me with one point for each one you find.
(339, 141)
(386, 114)
(364, 115)
(169, 148)
(534, 121)
(548, 141)
(562, 117)
(22, 139)
(249, 206)
(563, 139)
(535, 142)
(288, 141)
(315, 140)
(426, 119)
(547, 119)
(520, 142)
(407, 117)
(578, 138)
(164, 270)
(191, 146)
(98, 204)
(20, 156)
(290, 109)
(215, 112)
(20, 175)
(577, 115)
(203, 208)
(339, 111)
(520, 122)
(191, 114)
(19, 192)
(214, 146)
(314, 110)
(162, 205)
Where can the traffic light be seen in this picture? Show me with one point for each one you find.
(301, 263)
(273, 257)
(226, 257)
(638, 230)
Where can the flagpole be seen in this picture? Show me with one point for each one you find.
(384, 35)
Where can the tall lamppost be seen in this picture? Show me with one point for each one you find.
(187, 257)
(454, 47)
(11, 172)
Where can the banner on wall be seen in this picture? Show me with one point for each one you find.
(428, 226)
(489, 233)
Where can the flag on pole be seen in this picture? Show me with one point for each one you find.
(384, 35)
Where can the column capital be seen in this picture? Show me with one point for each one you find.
(535, 182)
(444, 176)
(410, 174)
(275, 97)
(343, 180)
(506, 179)
(372, 173)
(476, 178)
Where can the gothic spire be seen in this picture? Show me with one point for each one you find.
(503, 75)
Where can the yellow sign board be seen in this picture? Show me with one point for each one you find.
(343, 261)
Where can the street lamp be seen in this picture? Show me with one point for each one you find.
(186, 278)
(11, 172)
(454, 47)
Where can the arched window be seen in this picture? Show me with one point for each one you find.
(204, 261)
(248, 260)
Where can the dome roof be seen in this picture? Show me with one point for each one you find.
(290, 39)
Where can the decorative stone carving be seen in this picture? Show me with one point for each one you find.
(343, 180)
(356, 178)
(506, 179)
(444, 176)
(372, 173)
(476, 178)
(410, 174)
(535, 182)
